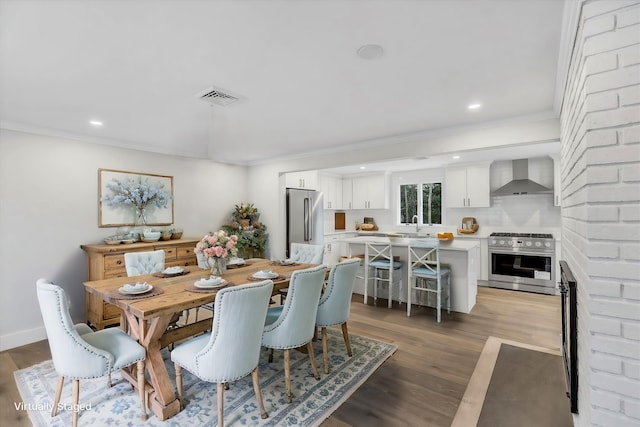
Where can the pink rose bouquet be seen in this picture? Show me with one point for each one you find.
(217, 245)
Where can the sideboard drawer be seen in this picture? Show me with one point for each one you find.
(186, 252)
(169, 253)
(110, 311)
(113, 262)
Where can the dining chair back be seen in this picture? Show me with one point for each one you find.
(139, 263)
(306, 254)
(79, 353)
(424, 265)
(335, 303)
(232, 349)
(378, 257)
(292, 325)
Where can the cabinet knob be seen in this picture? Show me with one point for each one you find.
(119, 262)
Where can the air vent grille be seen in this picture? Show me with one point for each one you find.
(217, 96)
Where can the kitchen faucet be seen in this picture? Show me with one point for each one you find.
(417, 225)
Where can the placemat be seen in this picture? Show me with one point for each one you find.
(165, 275)
(193, 288)
(152, 293)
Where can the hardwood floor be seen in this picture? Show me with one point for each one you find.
(421, 384)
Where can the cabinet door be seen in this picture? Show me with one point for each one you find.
(478, 187)
(456, 184)
(377, 192)
(305, 179)
(347, 193)
(360, 193)
(331, 188)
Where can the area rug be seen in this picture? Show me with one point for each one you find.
(515, 384)
(119, 405)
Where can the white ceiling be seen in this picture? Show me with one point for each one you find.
(137, 66)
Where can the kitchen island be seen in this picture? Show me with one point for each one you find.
(462, 256)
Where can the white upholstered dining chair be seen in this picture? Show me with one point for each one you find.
(292, 325)
(79, 353)
(335, 304)
(306, 254)
(232, 349)
(139, 263)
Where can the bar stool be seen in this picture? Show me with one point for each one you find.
(379, 257)
(424, 265)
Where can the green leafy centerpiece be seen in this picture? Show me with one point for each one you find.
(252, 235)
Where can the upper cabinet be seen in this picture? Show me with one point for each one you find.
(557, 181)
(305, 179)
(331, 187)
(347, 193)
(369, 192)
(468, 186)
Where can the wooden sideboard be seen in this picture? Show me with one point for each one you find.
(106, 261)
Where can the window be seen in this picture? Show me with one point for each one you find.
(429, 199)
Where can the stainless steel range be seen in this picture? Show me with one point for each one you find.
(523, 262)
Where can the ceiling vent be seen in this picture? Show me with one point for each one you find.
(217, 96)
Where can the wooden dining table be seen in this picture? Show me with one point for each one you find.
(146, 317)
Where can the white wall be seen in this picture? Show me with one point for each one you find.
(600, 158)
(49, 207)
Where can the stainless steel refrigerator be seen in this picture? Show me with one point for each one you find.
(305, 217)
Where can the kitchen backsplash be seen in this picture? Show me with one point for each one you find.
(510, 212)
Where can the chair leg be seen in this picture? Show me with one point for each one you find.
(438, 298)
(197, 308)
(76, 398)
(270, 355)
(312, 358)
(287, 375)
(345, 335)
(141, 388)
(256, 389)
(390, 276)
(325, 349)
(409, 292)
(220, 404)
(179, 382)
(54, 410)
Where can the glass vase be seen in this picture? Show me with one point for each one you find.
(218, 266)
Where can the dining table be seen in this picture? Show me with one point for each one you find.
(147, 316)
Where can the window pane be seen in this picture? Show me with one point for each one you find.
(432, 203)
(408, 202)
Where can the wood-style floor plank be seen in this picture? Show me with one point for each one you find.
(422, 383)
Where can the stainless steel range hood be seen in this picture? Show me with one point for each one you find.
(521, 184)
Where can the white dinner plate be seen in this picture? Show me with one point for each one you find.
(205, 285)
(236, 261)
(265, 275)
(173, 270)
(123, 291)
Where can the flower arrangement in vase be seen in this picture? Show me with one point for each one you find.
(252, 235)
(215, 248)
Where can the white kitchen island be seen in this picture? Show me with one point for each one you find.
(462, 256)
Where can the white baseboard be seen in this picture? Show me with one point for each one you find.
(24, 337)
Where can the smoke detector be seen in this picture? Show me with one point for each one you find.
(217, 96)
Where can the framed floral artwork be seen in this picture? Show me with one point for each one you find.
(132, 198)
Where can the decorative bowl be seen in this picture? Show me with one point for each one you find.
(151, 235)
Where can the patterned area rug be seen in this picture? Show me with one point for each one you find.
(313, 401)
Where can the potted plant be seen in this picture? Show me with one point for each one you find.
(252, 235)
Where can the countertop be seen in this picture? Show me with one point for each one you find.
(453, 245)
(482, 233)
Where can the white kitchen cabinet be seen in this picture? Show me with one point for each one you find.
(331, 188)
(305, 179)
(468, 186)
(370, 192)
(347, 193)
(557, 181)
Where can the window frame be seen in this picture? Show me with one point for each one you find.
(419, 183)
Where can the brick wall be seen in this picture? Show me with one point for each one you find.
(600, 157)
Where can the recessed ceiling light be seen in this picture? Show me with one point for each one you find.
(370, 51)
(95, 122)
(363, 167)
(456, 157)
(474, 106)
